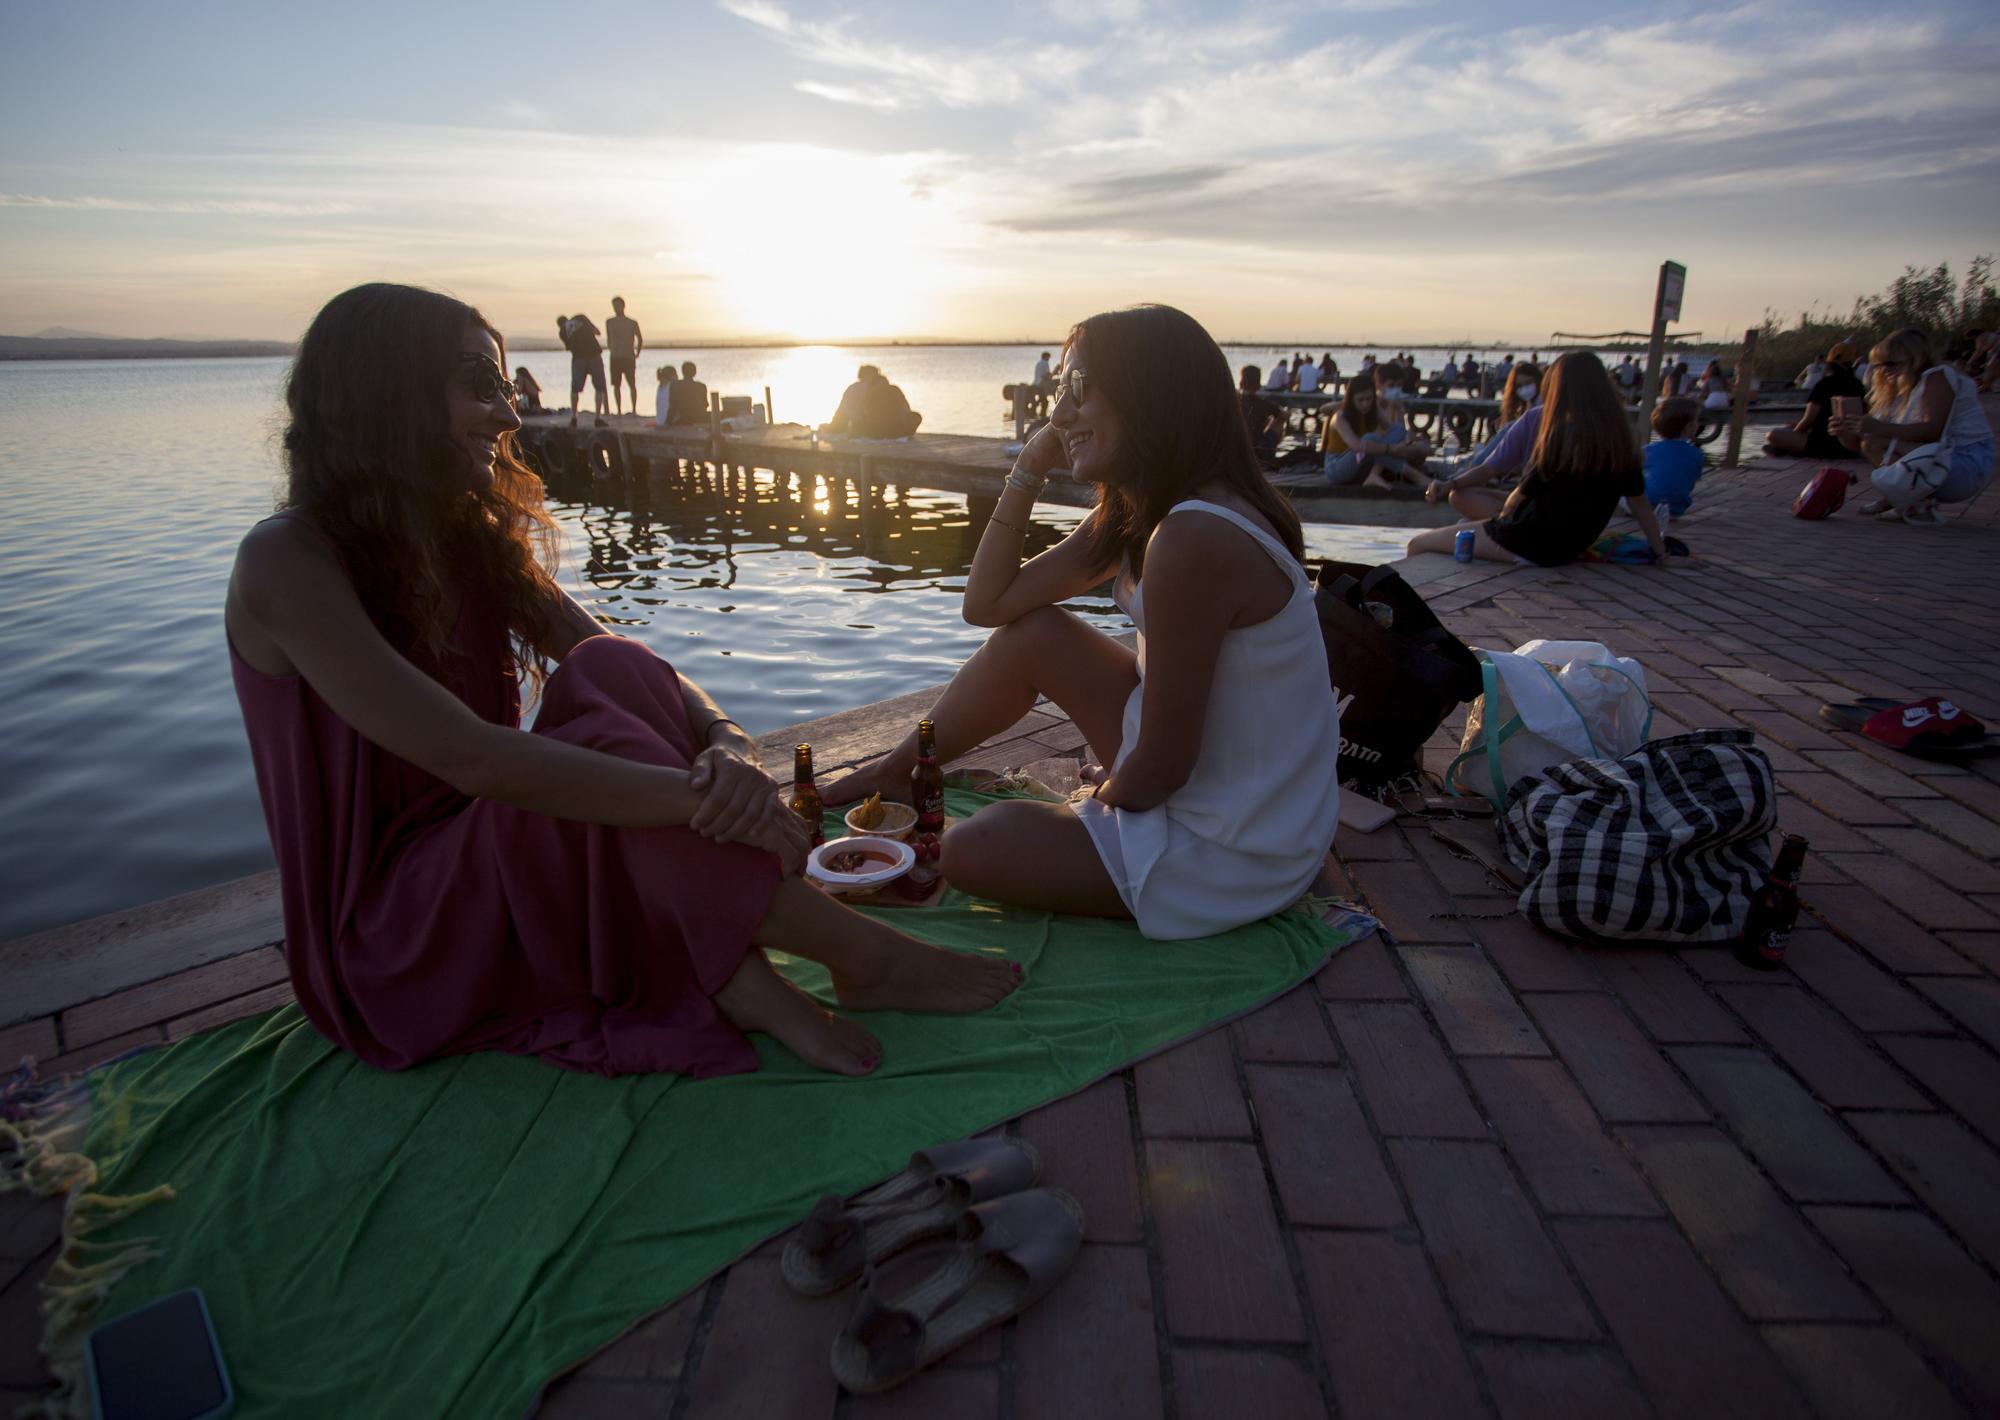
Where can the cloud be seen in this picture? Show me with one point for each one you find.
(840, 94)
(984, 77)
(250, 207)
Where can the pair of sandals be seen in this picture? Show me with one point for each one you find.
(1923, 514)
(1009, 1242)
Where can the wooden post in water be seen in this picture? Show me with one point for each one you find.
(1746, 381)
(715, 429)
(770, 413)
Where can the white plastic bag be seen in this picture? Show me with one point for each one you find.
(1548, 702)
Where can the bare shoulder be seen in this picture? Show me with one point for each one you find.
(280, 561)
(1193, 540)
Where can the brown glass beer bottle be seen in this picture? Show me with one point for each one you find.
(805, 794)
(1774, 910)
(927, 794)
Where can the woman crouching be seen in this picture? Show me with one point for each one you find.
(1221, 735)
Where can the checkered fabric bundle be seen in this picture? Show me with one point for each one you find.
(1664, 845)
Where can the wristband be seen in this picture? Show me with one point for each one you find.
(1025, 481)
(1011, 527)
(721, 720)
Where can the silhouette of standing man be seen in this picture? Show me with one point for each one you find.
(621, 333)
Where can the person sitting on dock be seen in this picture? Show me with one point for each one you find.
(1045, 377)
(663, 397)
(529, 390)
(1280, 378)
(1265, 420)
(872, 408)
(1716, 390)
(1929, 437)
(688, 404)
(1329, 371)
(599, 891)
(1360, 445)
(1220, 734)
(1305, 376)
(1810, 437)
(1581, 463)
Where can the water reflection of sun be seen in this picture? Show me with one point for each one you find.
(813, 243)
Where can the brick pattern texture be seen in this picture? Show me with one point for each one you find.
(1473, 1169)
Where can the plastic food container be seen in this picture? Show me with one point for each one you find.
(897, 821)
(883, 861)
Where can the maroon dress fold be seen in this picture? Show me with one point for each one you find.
(420, 922)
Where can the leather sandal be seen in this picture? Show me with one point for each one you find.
(1010, 1252)
(838, 1239)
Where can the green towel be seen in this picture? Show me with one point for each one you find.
(445, 1240)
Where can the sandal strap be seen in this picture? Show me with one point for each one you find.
(893, 1337)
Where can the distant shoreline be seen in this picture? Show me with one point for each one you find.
(29, 347)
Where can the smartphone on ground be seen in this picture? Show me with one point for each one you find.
(161, 1362)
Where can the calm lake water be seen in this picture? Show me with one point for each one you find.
(125, 486)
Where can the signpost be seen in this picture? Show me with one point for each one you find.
(1666, 307)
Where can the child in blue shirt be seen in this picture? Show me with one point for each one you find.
(1673, 462)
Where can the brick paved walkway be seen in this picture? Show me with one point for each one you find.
(1472, 1169)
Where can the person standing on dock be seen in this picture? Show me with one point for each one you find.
(586, 363)
(621, 332)
(1045, 379)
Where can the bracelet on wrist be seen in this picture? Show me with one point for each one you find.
(708, 735)
(1011, 527)
(1027, 482)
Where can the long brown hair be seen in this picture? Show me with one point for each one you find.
(370, 461)
(1512, 405)
(1182, 426)
(1585, 431)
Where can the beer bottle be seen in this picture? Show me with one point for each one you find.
(927, 793)
(1774, 909)
(805, 794)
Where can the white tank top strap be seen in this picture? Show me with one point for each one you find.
(1279, 552)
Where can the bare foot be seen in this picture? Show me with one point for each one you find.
(880, 777)
(757, 998)
(903, 974)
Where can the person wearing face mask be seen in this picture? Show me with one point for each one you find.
(599, 891)
(1365, 443)
(1220, 736)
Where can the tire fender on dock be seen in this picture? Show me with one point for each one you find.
(606, 454)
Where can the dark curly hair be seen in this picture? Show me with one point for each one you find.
(1182, 426)
(371, 463)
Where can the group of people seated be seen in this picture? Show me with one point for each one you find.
(602, 890)
(1302, 375)
(680, 398)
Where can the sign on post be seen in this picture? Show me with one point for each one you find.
(1673, 281)
(1666, 307)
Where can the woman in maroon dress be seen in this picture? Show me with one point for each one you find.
(598, 892)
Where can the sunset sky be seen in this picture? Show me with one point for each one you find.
(1339, 170)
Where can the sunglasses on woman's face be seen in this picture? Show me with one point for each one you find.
(479, 377)
(1075, 382)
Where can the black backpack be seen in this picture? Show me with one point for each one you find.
(1396, 670)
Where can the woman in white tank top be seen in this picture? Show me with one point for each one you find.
(1929, 418)
(1220, 735)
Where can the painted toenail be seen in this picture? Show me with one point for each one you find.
(1017, 967)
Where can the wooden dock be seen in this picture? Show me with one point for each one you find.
(967, 464)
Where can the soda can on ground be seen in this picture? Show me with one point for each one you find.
(1461, 548)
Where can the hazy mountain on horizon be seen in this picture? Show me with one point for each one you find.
(63, 332)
